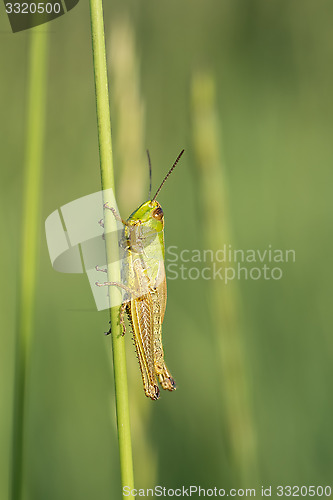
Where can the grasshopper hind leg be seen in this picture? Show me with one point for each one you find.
(166, 380)
(121, 317)
(121, 320)
(164, 376)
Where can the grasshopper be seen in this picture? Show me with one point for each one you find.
(144, 284)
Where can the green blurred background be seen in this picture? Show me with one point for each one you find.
(271, 64)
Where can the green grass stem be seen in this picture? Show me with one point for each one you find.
(35, 129)
(107, 177)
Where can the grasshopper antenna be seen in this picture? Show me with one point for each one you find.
(168, 174)
(149, 163)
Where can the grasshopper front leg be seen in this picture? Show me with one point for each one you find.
(116, 215)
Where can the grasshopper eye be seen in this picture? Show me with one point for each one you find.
(158, 213)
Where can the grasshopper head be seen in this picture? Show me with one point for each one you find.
(150, 214)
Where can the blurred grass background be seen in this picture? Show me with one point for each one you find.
(272, 64)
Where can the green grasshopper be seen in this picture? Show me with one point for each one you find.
(144, 283)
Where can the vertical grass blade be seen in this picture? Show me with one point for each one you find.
(107, 177)
(224, 300)
(35, 128)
